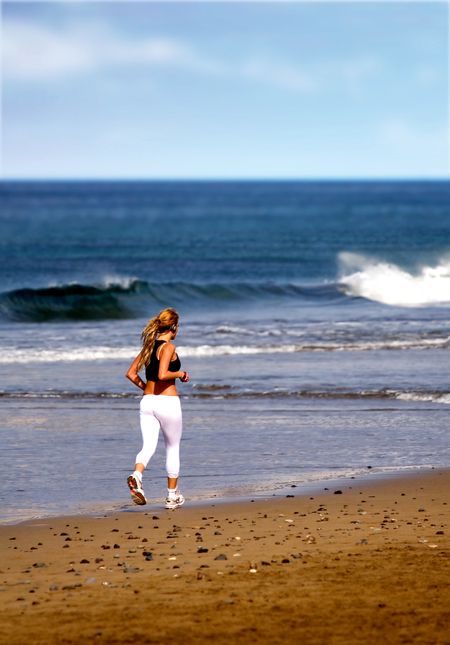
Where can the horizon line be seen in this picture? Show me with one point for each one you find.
(221, 179)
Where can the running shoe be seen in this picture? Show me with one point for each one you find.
(136, 490)
(175, 502)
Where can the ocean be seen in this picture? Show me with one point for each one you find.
(315, 324)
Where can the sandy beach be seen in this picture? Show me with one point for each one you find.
(359, 563)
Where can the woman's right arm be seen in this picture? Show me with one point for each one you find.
(133, 374)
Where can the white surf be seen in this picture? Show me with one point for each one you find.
(391, 285)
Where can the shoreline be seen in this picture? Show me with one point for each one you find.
(304, 489)
(369, 562)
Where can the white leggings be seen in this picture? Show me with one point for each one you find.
(161, 411)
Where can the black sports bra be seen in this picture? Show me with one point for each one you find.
(152, 369)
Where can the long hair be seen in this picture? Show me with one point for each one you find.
(166, 320)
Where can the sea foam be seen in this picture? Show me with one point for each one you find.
(391, 285)
(104, 353)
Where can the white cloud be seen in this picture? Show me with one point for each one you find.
(35, 53)
(32, 52)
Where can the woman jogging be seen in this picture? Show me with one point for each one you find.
(160, 406)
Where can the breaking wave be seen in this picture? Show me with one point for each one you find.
(70, 302)
(131, 297)
(120, 298)
(392, 285)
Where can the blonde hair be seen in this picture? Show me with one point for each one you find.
(166, 320)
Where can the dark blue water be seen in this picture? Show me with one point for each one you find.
(315, 325)
(207, 233)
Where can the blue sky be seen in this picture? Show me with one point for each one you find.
(225, 90)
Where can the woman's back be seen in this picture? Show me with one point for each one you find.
(152, 369)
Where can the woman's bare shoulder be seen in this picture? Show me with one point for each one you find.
(168, 347)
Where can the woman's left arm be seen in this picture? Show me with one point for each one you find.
(133, 373)
(167, 352)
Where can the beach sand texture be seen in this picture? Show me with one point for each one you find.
(368, 564)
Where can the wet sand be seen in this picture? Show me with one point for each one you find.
(361, 563)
